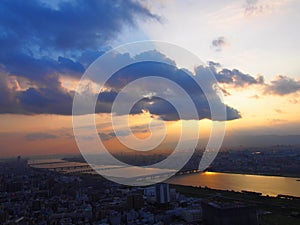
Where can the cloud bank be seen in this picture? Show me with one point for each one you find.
(41, 42)
(159, 106)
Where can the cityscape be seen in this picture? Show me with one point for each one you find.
(54, 191)
(132, 112)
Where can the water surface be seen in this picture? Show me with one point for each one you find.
(267, 185)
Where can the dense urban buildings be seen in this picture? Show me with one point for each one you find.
(30, 196)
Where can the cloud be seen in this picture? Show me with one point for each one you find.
(45, 100)
(255, 96)
(71, 25)
(282, 85)
(219, 44)
(39, 136)
(135, 129)
(277, 120)
(158, 106)
(257, 7)
(105, 136)
(110, 135)
(252, 7)
(89, 56)
(38, 70)
(294, 101)
(234, 77)
(48, 98)
(54, 99)
(6, 93)
(40, 42)
(38, 39)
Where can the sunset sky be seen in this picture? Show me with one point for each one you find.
(251, 46)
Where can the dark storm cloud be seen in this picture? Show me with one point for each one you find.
(71, 25)
(30, 30)
(44, 101)
(39, 69)
(219, 43)
(89, 56)
(54, 99)
(41, 42)
(282, 85)
(157, 106)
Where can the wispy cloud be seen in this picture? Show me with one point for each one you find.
(278, 111)
(257, 7)
(123, 133)
(255, 96)
(237, 11)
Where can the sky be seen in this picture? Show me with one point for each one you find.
(251, 46)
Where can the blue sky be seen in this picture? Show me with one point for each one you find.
(250, 45)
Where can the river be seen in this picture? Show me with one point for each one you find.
(267, 185)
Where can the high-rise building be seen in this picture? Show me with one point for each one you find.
(162, 191)
(135, 201)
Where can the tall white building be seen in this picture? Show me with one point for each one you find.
(162, 193)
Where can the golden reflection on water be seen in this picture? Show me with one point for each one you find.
(210, 173)
(267, 185)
